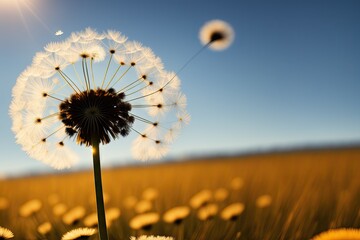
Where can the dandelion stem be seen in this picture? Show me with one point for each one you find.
(106, 71)
(92, 72)
(112, 78)
(121, 76)
(98, 189)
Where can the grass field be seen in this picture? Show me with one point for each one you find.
(303, 193)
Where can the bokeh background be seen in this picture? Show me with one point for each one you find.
(290, 79)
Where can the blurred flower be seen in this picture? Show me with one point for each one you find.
(144, 221)
(232, 212)
(263, 201)
(91, 220)
(339, 234)
(151, 238)
(221, 194)
(62, 96)
(207, 212)
(30, 207)
(236, 183)
(53, 199)
(217, 34)
(59, 209)
(44, 228)
(143, 206)
(79, 233)
(130, 202)
(150, 194)
(74, 215)
(4, 203)
(5, 233)
(200, 198)
(176, 215)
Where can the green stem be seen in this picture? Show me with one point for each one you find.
(98, 190)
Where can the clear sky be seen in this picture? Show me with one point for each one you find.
(291, 77)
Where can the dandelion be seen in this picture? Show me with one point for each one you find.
(62, 96)
(143, 237)
(207, 212)
(4, 203)
(59, 209)
(44, 228)
(5, 233)
(176, 215)
(74, 215)
(200, 198)
(130, 202)
(221, 194)
(143, 206)
(263, 201)
(232, 212)
(30, 207)
(236, 183)
(339, 234)
(217, 34)
(53, 199)
(150, 194)
(79, 233)
(144, 221)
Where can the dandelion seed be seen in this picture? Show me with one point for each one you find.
(221, 194)
(150, 194)
(207, 212)
(73, 216)
(176, 215)
(143, 237)
(79, 233)
(200, 199)
(4, 203)
(263, 201)
(144, 221)
(5, 233)
(217, 34)
(232, 212)
(59, 33)
(30, 207)
(44, 228)
(339, 234)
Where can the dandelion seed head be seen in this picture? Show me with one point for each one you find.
(207, 212)
(4, 203)
(30, 207)
(201, 198)
(150, 194)
(221, 194)
(263, 201)
(218, 34)
(339, 234)
(144, 221)
(79, 233)
(59, 209)
(74, 215)
(236, 183)
(44, 228)
(143, 237)
(5, 233)
(143, 206)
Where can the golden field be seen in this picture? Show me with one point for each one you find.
(285, 195)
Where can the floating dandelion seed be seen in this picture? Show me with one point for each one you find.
(59, 33)
(176, 215)
(151, 238)
(79, 233)
(217, 34)
(5, 233)
(263, 201)
(232, 212)
(144, 221)
(44, 228)
(339, 234)
(30, 207)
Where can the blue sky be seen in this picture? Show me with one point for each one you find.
(291, 77)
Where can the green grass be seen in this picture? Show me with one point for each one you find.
(312, 191)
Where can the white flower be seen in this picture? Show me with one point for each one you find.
(217, 34)
(95, 84)
(143, 237)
